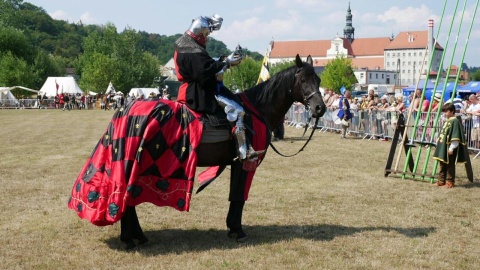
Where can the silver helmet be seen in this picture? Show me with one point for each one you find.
(205, 25)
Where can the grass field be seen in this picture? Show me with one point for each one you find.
(330, 207)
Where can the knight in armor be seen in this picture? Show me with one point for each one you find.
(202, 89)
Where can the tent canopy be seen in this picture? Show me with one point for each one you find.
(137, 92)
(409, 89)
(6, 95)
(57, 85)
(110, 89)
(470, 88)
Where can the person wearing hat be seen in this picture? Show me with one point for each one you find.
(437, 99)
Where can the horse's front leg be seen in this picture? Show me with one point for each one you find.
(130, 228)
(234, 221)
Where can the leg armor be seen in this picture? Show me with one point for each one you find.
(234, 113)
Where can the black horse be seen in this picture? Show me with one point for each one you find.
(128, 165)
(272, 99)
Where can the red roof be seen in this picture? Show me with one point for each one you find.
(286, 49)
(370, 46)
(411, 40)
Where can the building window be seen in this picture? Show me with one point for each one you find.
(409, 63)
(370, 75)
(414, 54)
(403, 71)
(403, 54)
(376, 75)
(361, 75)
(388, 64)
(383, 76)
(388, 54)
(409, 54)
(420, 54)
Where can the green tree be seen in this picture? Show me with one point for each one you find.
(44, 66)
(117, 58)
(14, 71)
(243, 76)
(14, 40)
(274, 69)
(476, 75)
(338, 73)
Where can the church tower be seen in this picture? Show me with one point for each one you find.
(349, 31)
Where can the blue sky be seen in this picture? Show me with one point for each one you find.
(253, 23)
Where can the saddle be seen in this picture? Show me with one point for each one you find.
(216, 128)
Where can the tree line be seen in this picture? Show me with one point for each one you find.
(33, 46)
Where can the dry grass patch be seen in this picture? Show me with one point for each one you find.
(330, 207)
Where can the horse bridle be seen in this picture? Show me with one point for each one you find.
(307, 107)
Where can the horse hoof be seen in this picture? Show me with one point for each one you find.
(242, 239)
(231, 234)
(239, 236)
(130, 245)
(142, 240)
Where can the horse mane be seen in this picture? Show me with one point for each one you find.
(278, 85)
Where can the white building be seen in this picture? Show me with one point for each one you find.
(382, 60)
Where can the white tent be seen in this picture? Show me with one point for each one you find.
(6, 97)
(110, 89)
(137, 92)
(54, 85)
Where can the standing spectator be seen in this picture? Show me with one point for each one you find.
(166, 93)
(61, 98)
(299, 109)
(66, 102)
(399, 108)
(39, 100)
(105, 102)
(473, 112)
(344, 112)
(355, 109)
(57, 101)
(83, 99)
(449, 148)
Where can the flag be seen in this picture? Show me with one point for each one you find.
(264, 71)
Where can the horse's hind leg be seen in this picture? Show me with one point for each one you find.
(130, 228)
(234, 221)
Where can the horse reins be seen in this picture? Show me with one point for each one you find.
(305, 103)
(303, 147)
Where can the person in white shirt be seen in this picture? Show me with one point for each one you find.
(473, 111)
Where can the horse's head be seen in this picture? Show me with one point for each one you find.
(306, 89)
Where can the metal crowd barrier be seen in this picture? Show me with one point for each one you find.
(33, 103)
(381, 124)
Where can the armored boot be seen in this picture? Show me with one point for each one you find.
(236, 113)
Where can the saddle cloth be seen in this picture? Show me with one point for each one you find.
(147, 154)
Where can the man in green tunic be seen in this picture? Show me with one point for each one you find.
(449, 148)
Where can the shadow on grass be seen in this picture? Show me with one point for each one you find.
(181, 241)
(474, 184)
